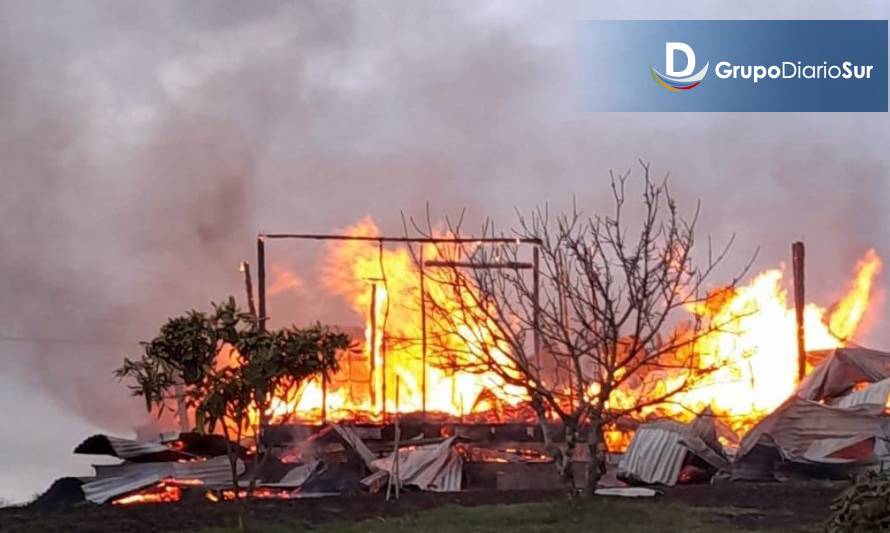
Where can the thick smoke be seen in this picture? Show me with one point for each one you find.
(144, 145)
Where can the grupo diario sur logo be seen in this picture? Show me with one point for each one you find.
(734, 65)
(682, 80)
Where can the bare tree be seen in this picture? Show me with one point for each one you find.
(605, 306)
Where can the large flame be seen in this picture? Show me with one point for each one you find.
(756, 350)
(384, 288)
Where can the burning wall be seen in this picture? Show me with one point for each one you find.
(756, 351)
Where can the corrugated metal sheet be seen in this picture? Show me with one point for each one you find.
(352, 439)
(655, 455)
(436, 467)
(211, 470)
(293, 479)
(116, 480)
(128, 449)
(102, 490)
(874, 394)
(821, 450)
(450, 477)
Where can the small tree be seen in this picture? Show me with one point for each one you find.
(604, 306)
(234, 396)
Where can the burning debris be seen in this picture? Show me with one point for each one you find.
(661, 452)
(753, 352)
(145, 477)
(340, 461)
(451, 386)
(835, 423)
(434, 467)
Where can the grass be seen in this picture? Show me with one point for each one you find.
(557, 517)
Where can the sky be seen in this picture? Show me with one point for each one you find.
(144, 144)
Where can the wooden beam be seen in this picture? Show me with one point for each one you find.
(261, 280)
(248, 288)
(512, 265)
(797, 262)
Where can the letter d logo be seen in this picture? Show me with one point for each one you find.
(669, 51)
(681, 80)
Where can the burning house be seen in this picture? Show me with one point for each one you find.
(394, 416)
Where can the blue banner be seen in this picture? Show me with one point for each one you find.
(734, 65)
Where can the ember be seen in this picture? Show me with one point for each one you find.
(260, 493)
(163, 492)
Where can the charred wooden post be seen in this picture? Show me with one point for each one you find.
(261, 280)
(383, 328)
(248, 288)
(423, 341)
(482, 266)
(797, 261)
(383, 373)
(372, 345)
(394, 481)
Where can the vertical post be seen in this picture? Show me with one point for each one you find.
(797, 261)
(423, 347)
(536, 318)
(261, 279)
(383, 372)
(383, 329)
(248, 288)
(398, 437)
(393, 482)
(372, 345)
(324, 398)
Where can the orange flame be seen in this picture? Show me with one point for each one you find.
(852, 308)
(756, 353)
(160, 493)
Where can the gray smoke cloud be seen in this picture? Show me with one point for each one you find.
(143, 145)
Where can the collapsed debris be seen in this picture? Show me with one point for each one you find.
(335, 460)
(113, 481)
(433, 467)
(661, 450)
(834, 424)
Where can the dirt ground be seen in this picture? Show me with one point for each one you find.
(742, 506)
(782, 506)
